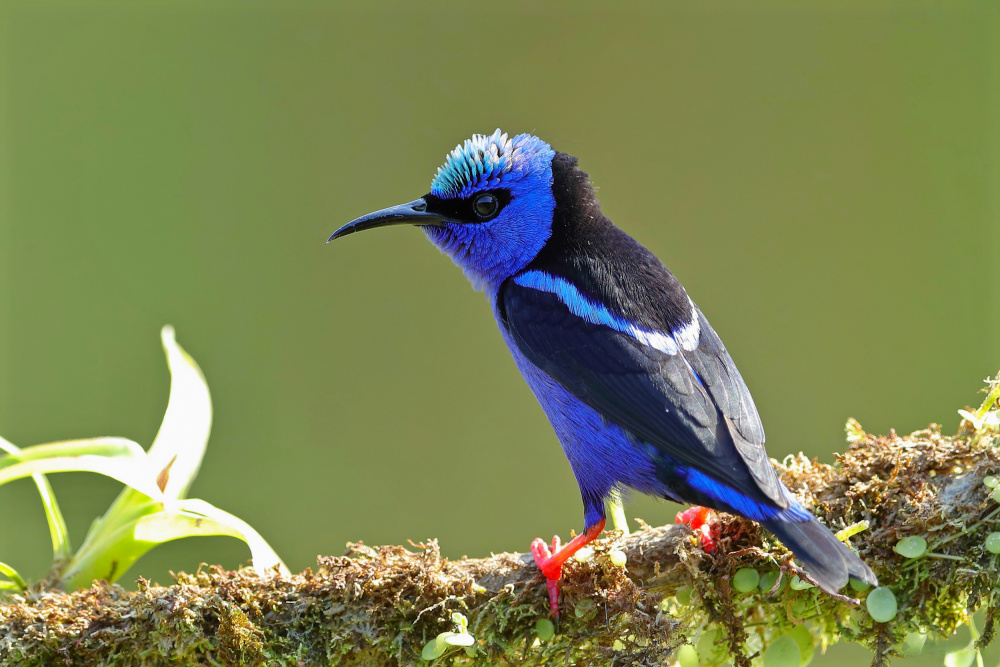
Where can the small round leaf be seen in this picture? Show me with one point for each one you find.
(460, 639)
(913, 546)
(807, 645)
(767, 581)
(881, 604)
(746, 579)
(433, 649)
(545, 629)
(783, 652)
(687, 656)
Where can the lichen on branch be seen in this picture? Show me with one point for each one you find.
(383, 605)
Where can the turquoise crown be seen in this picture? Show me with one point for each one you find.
(478, 163)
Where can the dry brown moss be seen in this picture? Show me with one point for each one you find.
(379, 606)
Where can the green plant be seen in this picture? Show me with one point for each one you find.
(153, 507)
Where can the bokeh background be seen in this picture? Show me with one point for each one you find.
(824, 181)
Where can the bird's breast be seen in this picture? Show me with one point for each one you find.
(602, 454)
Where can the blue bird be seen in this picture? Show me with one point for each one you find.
(641, 392)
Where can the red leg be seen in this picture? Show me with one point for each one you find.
(700, 520)
(550, 562)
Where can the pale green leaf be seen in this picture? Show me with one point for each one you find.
(117, 458)
(8, 446)
(53, 515)
(989, 401)
(118, 550)
(177, 450)
(183, 436)
(264, 557)
(985, 415)
(976, 421)
(175, 525)
(965, 657)
(106, 447)
(109, 548)
(460, 639)
(15, 578)
(614, 506)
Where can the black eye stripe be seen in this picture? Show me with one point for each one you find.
(473, 209)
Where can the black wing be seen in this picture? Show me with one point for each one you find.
(693, 405)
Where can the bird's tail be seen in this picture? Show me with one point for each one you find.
(827, 560)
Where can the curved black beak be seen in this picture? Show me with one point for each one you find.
(414, 213)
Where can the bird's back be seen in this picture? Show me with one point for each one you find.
(602, 260)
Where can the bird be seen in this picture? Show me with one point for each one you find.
(637, 385)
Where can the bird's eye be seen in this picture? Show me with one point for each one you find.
(486, 206)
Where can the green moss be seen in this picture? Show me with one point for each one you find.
(380, 606)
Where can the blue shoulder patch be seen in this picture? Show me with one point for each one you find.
(594, 313)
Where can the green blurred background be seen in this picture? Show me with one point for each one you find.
(823, 180)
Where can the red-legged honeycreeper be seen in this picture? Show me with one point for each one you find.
(637, 385)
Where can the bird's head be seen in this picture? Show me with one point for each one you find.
(490, 206)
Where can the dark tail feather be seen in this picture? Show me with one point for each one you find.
(827, 560)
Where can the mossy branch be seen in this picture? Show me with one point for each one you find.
(380, 606)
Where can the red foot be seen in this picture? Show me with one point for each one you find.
(550, 562)
(700, 520)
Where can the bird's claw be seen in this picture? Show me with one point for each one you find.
(550, 560)
(551, 569)
(700, 519)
